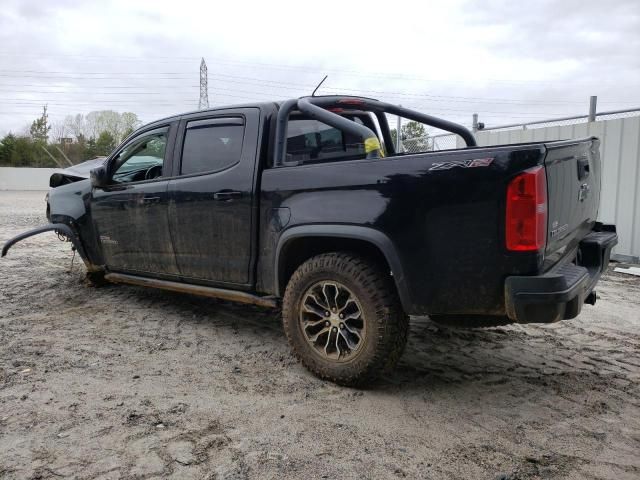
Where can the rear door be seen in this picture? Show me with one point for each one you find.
(211, 198)
(573, 189)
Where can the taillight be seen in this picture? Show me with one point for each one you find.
(526, 226)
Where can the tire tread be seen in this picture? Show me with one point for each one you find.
(390, 327)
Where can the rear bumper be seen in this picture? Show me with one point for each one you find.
(560, 293)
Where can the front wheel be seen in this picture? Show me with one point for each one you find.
(343, 318)
(95, 278)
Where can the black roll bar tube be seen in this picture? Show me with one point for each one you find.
(378, 106)
(452, 127)
(314, 107)
(371, 143)
(386, 133)
(282, 123)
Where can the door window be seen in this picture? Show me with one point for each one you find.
(142, 158)
(210, 147)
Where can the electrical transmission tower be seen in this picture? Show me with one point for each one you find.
(204, 91)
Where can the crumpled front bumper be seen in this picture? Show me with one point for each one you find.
(560, 293)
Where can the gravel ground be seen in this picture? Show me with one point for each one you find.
(125, 382)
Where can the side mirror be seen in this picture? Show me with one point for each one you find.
(99, 177)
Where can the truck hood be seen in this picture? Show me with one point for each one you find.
(75, 173)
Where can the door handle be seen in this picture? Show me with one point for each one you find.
(226, 195)
(150, 199)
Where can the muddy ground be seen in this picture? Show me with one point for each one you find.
(124, 382)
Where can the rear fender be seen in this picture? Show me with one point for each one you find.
(369, 235)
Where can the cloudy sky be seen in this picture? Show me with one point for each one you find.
(509, 61)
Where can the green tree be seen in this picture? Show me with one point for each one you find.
(7, 146)
(90, 149)
(40, 127)
(414, 137)
(23, 151)
(105, 143)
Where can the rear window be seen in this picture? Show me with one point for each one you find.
(209, 148)
(311, 141)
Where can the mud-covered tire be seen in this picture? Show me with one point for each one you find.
(386, 323)
(96, 278)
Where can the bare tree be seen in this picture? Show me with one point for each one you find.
(59, 130)
(91, 125)
(76, 125)
(130, 122)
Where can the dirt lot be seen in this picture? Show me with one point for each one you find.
(123, 382)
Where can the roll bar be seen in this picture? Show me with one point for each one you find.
(317, 108)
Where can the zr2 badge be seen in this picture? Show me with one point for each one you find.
(476, 162)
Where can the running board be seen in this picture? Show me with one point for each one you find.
(221, 293)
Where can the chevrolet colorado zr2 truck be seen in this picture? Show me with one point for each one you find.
(307, 205)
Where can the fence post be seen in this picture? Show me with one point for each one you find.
(474, 123)
(399, 135)
(592, 108)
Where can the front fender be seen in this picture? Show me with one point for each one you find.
(57, 227)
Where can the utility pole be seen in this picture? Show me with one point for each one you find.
(593, 101)
(46, 122)
(474, 123)
(204, 90)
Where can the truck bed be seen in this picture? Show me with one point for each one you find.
(444, 213)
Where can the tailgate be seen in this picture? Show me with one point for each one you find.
(573, 189)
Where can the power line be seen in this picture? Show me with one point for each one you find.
(375, 75)
(144, 91)
(287, 85)
(305, 68)
(220, 91)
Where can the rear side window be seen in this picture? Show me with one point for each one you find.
(211, 145)
(311, 141)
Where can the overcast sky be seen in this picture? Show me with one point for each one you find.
(510, 61)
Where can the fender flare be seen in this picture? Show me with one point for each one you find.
(58, 227)
(367, 234)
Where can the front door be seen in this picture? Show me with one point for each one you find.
(130, 215)
(211, 200)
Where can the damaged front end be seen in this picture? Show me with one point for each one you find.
(75, 173)
(68, 211)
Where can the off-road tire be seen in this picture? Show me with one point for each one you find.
(386, 323)
(96, 278)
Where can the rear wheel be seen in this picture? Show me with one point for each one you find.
(343, 318)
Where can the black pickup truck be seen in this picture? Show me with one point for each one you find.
(307, 204)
